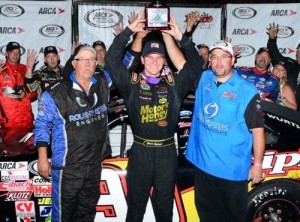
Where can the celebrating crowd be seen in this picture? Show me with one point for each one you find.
(153, 74)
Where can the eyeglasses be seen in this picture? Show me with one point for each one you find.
(222, 57)
(85, 60)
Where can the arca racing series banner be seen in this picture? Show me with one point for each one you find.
(35, 25)
(96, 22)
(247, 26)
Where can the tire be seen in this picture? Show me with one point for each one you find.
(275, 200)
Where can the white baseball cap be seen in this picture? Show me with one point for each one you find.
(226, 46)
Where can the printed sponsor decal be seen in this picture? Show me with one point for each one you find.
(12, 175)
(244, 13)
(45, 201)
(38, 180)
(245, 50)
(11, 30)
(22, 165)
(11, 10)
(26, 219)
(42, 190)
(103, 18)
(32, 167)
(162, 123)
(281, 119)
(285, 32)
(283, 12)
(52, 30)
(45, 211)
(154, 113)
(184, 124)
(50, 11)
(16, 186)
(239, 31)
(185, 113)
(25, 208)
(18, 195)
(279, 164)
(286, 50)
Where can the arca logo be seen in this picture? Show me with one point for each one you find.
(11, 30)
(245, 50)
(11, 10)
(244, 13)
(244, 32)
(52, 30)
(285, 32)
(50, 11)
(283, 12)
(286, 50)
(103, 18)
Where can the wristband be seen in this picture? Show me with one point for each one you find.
(28, 67)
(257, 164)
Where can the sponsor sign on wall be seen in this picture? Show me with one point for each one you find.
(247, 27)
(97, 21)
(35, 25)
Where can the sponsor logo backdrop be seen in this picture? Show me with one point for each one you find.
(36, 24)
(96, 22)
(247, 26)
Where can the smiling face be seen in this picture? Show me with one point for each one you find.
(84, 64)
(13, 56)
(262, 61)
(279, 71)
(153, 64)
(221, 63)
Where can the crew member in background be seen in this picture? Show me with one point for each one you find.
(260, 75)
(47, 75)
(292, 65)
(15, 102)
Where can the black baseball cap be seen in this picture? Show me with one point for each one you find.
(202, 46)
(12, 45)
(50, 49)
(153, 47)
(263, 49)
(99, 43)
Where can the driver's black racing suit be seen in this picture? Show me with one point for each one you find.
(153, 110)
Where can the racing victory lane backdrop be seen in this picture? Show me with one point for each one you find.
(26, 197)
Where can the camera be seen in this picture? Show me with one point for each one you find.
(157, 16)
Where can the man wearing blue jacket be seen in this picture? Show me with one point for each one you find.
(227, 122)
(72, 116)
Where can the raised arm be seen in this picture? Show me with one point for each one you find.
(174, 51)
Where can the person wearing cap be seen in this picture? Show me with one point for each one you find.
(227, 122)
(100, 48)
(47, 75)
(285, 95)
(153, 98)
(72, 117)
(15, 107)
(292, 65)
(260, 75)
(204, 52)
